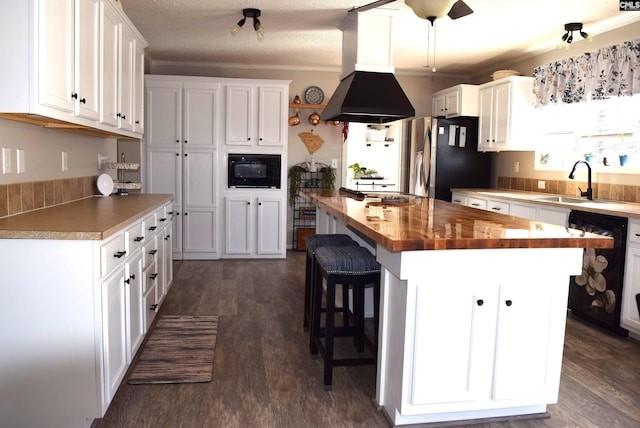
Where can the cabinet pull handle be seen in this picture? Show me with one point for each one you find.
(480, 302)
(153, 307)
(152, 228)
(83, 100)
(177, 141)
(163, 219)
(637, 234)
(248, 203)
(508, 302)
(475, 205)
(138, 238)
(185, 141)
(166, 238)
(248, 138)
(170, 212)
(496, 208)
(259, 203)
(74, 95)
(118, 114)
(137, 122)
(457, 200)
(153, 252)
(153, 276)
(119, 254)
(124, 117)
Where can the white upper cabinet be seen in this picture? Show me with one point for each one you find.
(507, 115)
(256, 115)
(67, 64)
(460, 100)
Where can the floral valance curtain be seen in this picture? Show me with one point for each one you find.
(610, 72)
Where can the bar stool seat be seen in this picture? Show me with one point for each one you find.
(350, 266)
(314, 242)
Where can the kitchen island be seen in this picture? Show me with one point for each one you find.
(473, 305)
(81, 284)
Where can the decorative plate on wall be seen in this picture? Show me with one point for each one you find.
(313, 95)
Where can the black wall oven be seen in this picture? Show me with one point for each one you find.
(254, 171)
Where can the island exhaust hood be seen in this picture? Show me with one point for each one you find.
(368, 91)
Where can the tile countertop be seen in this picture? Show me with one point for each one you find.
(94, 218)
(431, 224)
(601, 206)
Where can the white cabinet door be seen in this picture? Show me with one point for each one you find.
(501, 113)
(134, 303)
(475, 202)
(165, 171)
(238, 225)
(164, 114)
(522, 346)
(500, 207)
(138, 90)
(452, 103)
(270, 225)
(239, 115)
(125, 79)
(201, 115)
(272, 123)
(485, 132)
(199, 202)
(167, 264)
(110, 41)
(114, 331)
(438, 105)
(463, 373)
(87, 61)
(151, 281)
(459, 198)
(199, 231)
(558, 216)
(56, 53)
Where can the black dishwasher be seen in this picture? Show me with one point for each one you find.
(596, 294)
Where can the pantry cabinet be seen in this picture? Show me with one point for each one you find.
(183, 128)
(254, 226)
(256, 115)
(460, 100)
(507, 115)
(69, 58)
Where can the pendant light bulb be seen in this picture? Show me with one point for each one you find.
(259, 30)
(236, 28)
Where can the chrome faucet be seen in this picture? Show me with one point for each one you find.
(589, 193)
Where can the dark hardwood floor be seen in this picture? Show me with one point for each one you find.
(263, 375)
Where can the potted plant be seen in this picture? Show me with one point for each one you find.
(328, 178)
(623, 159)
(588, 156)
(295, 182)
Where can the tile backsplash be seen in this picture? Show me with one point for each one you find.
(607, 191)
(21, 197)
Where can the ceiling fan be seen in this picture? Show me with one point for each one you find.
(427, 9)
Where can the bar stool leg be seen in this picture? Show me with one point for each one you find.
(329, 331)
(307, 292)
(358, 312)
(316, 310)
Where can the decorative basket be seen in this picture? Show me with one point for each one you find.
(501, 74)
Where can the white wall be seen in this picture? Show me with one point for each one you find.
(43, 152)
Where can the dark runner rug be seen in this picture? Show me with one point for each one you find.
(179, 350)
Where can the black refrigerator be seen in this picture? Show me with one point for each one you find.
(442, 154)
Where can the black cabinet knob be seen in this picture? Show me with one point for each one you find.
(508, 302)
(480, 302)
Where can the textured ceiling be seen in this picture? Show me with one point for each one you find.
(304, 34)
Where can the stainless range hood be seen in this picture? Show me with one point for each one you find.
(368, 91)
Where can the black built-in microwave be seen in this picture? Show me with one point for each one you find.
(254, 170)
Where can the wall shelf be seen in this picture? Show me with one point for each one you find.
(310, 106)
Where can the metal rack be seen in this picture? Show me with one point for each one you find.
(304, 212)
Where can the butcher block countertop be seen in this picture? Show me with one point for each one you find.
(94, 218)
(429, 224)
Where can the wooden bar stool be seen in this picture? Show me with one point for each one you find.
(314, 242)
(350, 266)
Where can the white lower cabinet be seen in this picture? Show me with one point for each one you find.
(531, 211)
(487, 356)
(630, 313)
(86, 325)
(254, 226)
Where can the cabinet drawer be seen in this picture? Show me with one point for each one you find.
(149, 250)
(149, 225)
(459, 199)
(163, 215)
(498, 207)
(112, 253)
(134, 237)
(634, 232)
(477, 203)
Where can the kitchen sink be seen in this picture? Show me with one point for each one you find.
(565, 200)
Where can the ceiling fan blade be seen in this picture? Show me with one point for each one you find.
(459, 9)
(371, 5)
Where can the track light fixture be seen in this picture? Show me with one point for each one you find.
(567, 37)
(257, 26)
